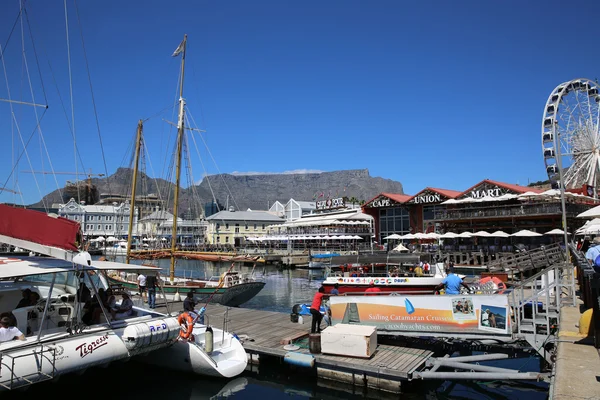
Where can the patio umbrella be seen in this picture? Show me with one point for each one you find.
(100, 239)
(482, 234)
(500, 234)
(591, 213)
(465, 235)
(408, 236)
(111, 239)
(400, 248)
(393, 236)
(556, 232)
(449, 235)
(526, 233)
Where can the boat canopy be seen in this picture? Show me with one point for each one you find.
(14, 267)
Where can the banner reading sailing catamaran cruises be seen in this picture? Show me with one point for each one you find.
(472, 314)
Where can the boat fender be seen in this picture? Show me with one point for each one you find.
(186, 322)
(151, 333)
(208, 340)
(299, 359)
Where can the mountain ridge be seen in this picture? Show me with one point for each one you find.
(251, 191)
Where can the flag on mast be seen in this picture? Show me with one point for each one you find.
(178, 50)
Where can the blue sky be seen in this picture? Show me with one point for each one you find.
(432, 93)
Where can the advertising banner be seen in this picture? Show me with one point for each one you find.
(472, 314)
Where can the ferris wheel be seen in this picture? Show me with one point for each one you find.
(570, 134)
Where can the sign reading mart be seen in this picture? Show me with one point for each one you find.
(476, 315)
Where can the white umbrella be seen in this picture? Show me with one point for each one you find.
(482, 234)
(408, 236)
(111, 239)
(393, 236)
(500, 234)
(400, 248)
(449, 235)
(100, 239)
(591, 213)
(556, 232)
(432, 235)
(465, 235)
(357, 237)
(526, 233)
(164, 239)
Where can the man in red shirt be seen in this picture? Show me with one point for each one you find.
(372, 290)
(315, 311)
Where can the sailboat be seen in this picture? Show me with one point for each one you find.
(232, 288)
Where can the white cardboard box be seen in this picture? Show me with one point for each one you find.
(349, 340)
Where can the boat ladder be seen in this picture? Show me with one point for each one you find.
(39, 356)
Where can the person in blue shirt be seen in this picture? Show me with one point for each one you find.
(452, 282)
(593, 253)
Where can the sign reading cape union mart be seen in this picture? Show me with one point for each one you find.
(423, 315)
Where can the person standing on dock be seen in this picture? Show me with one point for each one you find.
(151, 283)
(315, 311)
(452, 282)
(141, 279)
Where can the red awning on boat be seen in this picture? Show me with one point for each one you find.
(38, 227)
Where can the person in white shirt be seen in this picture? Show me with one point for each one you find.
(8, 332)
(142, 286)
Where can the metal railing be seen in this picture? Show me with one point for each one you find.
(37, 356)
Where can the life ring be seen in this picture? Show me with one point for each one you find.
(186, 322)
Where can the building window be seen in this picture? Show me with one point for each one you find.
(263, 227)
(237, 228)
(99, 227)
(394, 220)
(246, 227)
(226, 226)
(218, 226)
(218, 239)
(255, 226)
(227, 239)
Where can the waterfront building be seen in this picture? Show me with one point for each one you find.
(486, 206)
(100, 220)
(190, 233)
(148, 225)
(232, 227)
(145, 205)
(333, 226)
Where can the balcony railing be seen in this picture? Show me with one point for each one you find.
(522, 210)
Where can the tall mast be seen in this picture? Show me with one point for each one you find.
(138, 145)
(180, 129)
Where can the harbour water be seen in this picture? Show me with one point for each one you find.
(283, 289)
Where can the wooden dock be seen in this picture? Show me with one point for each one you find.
(265, 333)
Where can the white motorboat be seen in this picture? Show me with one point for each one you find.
(56, 341)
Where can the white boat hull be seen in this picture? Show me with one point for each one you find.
(227, 360)
(58, 353)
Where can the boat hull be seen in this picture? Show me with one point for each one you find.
(232, 296)
(30, 361)
(227, 360)
(413, 285)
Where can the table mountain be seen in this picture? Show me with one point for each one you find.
(251, 191)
